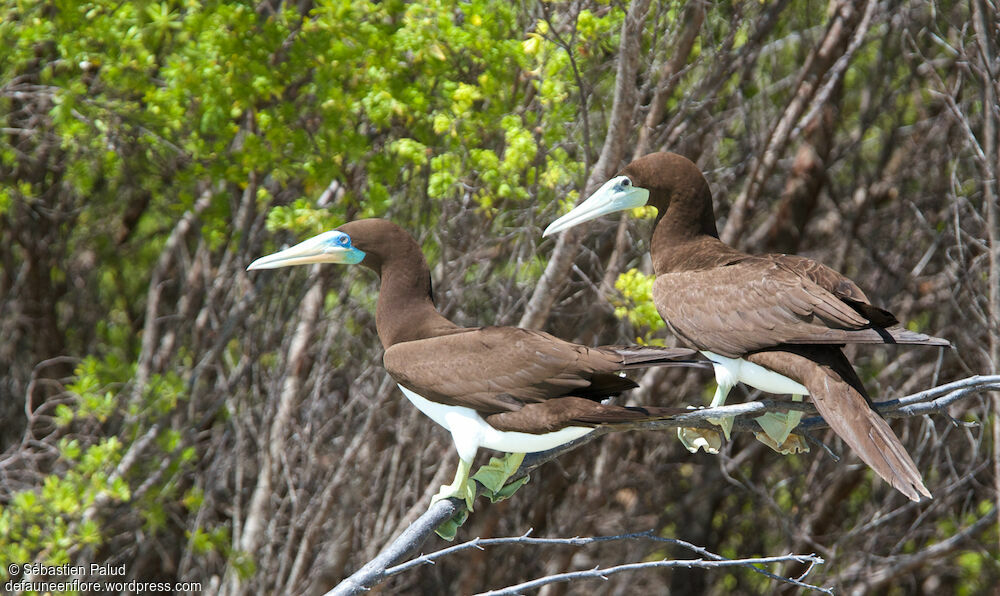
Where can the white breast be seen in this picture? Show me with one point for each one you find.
(729, 371)
(470, 432)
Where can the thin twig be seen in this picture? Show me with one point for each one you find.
(387, 562)
(598, 573)
(525, 539)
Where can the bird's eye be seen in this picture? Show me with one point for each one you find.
(626, 183)
(344, 240)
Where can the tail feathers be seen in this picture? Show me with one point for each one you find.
(904, 475)
(878, 316)
(868, 434)
(874, 335)
(839, 396)
(647, 356)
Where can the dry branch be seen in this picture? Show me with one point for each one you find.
(598, 573)
(820, 64)
(526, 539)
(387, 562)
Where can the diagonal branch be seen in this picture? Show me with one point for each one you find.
(820, 64)
(691, 21)
(413, 537)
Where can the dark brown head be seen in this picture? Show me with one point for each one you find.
(667, 181)
(405, 309)
(383, 242)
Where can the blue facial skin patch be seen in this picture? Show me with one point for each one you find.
(341, 242)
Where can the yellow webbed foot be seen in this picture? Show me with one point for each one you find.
(726, 423)
(460, 488)
(493, 476)
(779, 426)
(700, 438)
(793, 443)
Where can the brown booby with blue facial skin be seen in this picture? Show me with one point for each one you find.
(774, 322)
(504, 388)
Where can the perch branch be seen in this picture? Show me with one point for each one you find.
(411, 539)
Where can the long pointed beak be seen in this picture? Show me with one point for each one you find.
(318, 249)
(616, 194)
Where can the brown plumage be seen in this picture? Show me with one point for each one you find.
(509, 389)
(517, 379)
(786, 313)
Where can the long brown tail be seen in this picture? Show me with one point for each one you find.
(873, 335)
(840, 398)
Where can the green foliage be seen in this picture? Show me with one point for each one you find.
(637, 302)
(119, 118)
(50, 523)
(445, 137)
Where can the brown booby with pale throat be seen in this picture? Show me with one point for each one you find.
(504, 388)
(775, 322)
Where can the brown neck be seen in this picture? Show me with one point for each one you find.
(686, 224)
(688, 215)
(405, 309)
(686, 239)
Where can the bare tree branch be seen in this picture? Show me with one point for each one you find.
(690, 27)
(650, 535)
(821, 63)
(387, 561)
(374, 571)
(598, 573)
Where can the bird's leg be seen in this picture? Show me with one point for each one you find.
(719, 399)
(778, 428)
(707, 439)
(460, 487)
(493, 476)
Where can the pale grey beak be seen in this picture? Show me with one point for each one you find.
(328, 247)
(616, 194)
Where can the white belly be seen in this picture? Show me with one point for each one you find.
(470, 431)
(729, 371)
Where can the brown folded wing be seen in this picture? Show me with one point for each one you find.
(500, 369)
(761, 302)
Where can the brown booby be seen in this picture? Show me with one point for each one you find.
(775, 322)
(504, 388)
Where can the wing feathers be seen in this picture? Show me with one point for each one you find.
(502, 369)
(646, 356)
(762, 302)
(558, 413)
